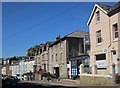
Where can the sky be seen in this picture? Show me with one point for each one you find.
(26, 24)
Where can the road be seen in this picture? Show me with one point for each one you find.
(44, 85)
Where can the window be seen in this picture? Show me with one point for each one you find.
(101, 57)
(98, 36)
(115, 31)
(60, 56)
(56, 57)
(101, 61)
(52, 58)
(97, 16)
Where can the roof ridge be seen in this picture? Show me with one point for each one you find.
(74, 32)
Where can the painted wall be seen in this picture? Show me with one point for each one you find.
(105, 25)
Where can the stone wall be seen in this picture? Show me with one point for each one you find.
(95, 80)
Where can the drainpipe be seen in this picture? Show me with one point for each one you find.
(110, 39)
(110, 54)
(48, 59)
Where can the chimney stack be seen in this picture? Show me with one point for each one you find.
(57, 37)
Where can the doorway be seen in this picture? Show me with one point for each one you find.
(56, 71)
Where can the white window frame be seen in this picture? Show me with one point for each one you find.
(98, 36)
(114, 32)
(97, 16)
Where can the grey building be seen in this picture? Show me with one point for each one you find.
(62, 49)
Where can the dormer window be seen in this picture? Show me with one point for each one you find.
(97, 16)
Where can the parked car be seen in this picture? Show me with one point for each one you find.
(10, 80)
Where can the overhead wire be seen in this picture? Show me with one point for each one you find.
(46, 20)
(24, 43)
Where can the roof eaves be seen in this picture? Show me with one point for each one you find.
(56, 42)
(95, 6)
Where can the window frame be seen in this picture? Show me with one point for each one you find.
(98, 37)
(114, 31)
(97, 15)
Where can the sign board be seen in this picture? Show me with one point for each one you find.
(99, 51)
(101, 63)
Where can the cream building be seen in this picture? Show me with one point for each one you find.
(104, 26)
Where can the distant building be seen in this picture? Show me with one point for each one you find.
(5, 66)
(29, 68)
(41, 59)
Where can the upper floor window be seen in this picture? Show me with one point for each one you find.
(61, 56)
(115, 31)
(52, 58)
(56, 57)
(98, 36)
(97, 16)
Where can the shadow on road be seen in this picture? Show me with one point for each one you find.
(31, 85)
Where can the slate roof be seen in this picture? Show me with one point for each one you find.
(111, 10)
(75, 34)
(108, 10)
(104, 7)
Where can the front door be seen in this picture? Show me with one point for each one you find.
(57, 71)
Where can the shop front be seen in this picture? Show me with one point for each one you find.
(75, 62)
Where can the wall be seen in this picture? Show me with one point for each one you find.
(75, 46)
(4, 71)
(58, 62)
(105, 25)
(14, 70)
(119, 38)
(95, 80)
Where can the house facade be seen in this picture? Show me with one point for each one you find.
(41, 59)
(28, 68)
(5, 67)
(62, 49)
(45, 56)
(104, 27)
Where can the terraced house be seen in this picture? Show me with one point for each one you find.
(104, 26)
(62, 50)
(41, 59)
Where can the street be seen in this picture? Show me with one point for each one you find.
(45, 85)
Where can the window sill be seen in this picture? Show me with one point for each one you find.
(99, 44)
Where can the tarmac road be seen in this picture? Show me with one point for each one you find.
(42, 85)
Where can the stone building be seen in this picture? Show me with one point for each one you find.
(62, 49)
(41, 59)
